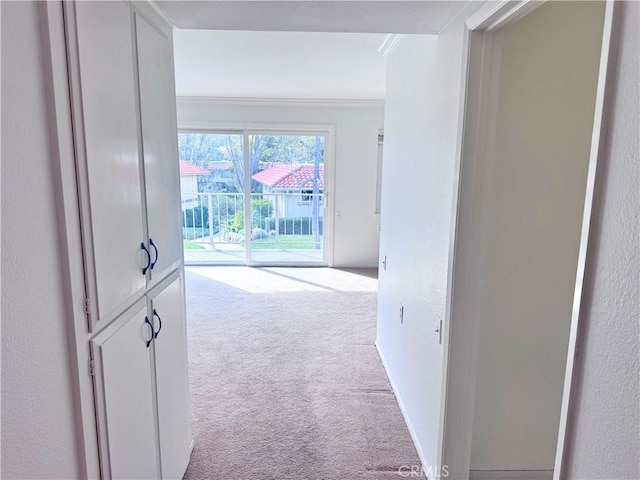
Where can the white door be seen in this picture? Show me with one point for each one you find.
(159, 146)
(112, 228)
(172, 381)
(124, 397)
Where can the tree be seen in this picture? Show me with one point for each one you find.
(257, 149)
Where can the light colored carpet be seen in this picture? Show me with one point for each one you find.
(285, 379)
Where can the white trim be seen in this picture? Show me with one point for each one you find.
(475, 137)
(494, 16)
(162, 13)
(403, 410)
(510, 474)
(67, 202)
(282, 102)
(389, 44)
(602, 105)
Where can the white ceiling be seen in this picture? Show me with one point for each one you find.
(314, 16)
(264, 49)
(279, 65)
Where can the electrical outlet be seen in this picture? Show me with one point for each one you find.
(401, 314)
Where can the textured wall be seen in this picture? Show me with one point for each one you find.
(38, 437)
(421, 124)
(356, 153)
(605, 435)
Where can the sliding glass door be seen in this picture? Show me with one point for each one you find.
(253, 198)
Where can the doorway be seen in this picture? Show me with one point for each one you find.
(528, 153)
(254, 197)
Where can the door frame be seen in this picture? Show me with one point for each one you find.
(68, 202)
(325, 130)
(481, 62)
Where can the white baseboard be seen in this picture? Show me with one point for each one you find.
(511, 475)
(407, 420)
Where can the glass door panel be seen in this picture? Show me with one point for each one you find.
(212, 186)
(287, 204)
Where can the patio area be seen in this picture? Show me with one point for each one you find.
(229, 254)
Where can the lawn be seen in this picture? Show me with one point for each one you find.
(285, 242)
(192, 246)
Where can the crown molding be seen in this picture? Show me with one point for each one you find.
(279, 102)
(162, 13)
(389, 44)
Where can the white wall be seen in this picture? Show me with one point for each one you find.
(356, 149)
(535, 184)
(421, 123)
(38, 431)
(605, 439)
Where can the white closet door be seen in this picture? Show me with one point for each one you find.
(172, 380)
(105, 53)
(159, 144)
(124, 397)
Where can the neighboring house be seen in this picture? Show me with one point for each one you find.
(189, 174)
(290, 188)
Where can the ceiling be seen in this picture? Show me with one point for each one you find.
(314, 16)
(290, 65)
(323, 49)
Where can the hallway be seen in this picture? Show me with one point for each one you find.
(285, 379)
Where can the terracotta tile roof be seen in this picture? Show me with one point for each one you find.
(289, 176)
(187, 169)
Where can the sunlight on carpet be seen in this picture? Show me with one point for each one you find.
(285, 379)
(266, 280)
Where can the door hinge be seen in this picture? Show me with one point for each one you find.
(87, 311)
(92, 368)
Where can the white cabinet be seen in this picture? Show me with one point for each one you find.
(124, 397)
(171, 378)
(106, 128)
(125, 126)
(142, 390)
(123, 103)
(159, 144)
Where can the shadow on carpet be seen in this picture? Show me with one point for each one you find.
(286, 382)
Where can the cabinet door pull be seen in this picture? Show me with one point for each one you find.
(155, 314)
(148, 342)
(144, 270)
(151, 244)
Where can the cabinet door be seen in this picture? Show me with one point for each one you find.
(124, 397)
(112, 228)
(159, 144)
(172, 380)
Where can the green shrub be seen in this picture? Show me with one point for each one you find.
(190, 233)
(261, 208)
(196, 217)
